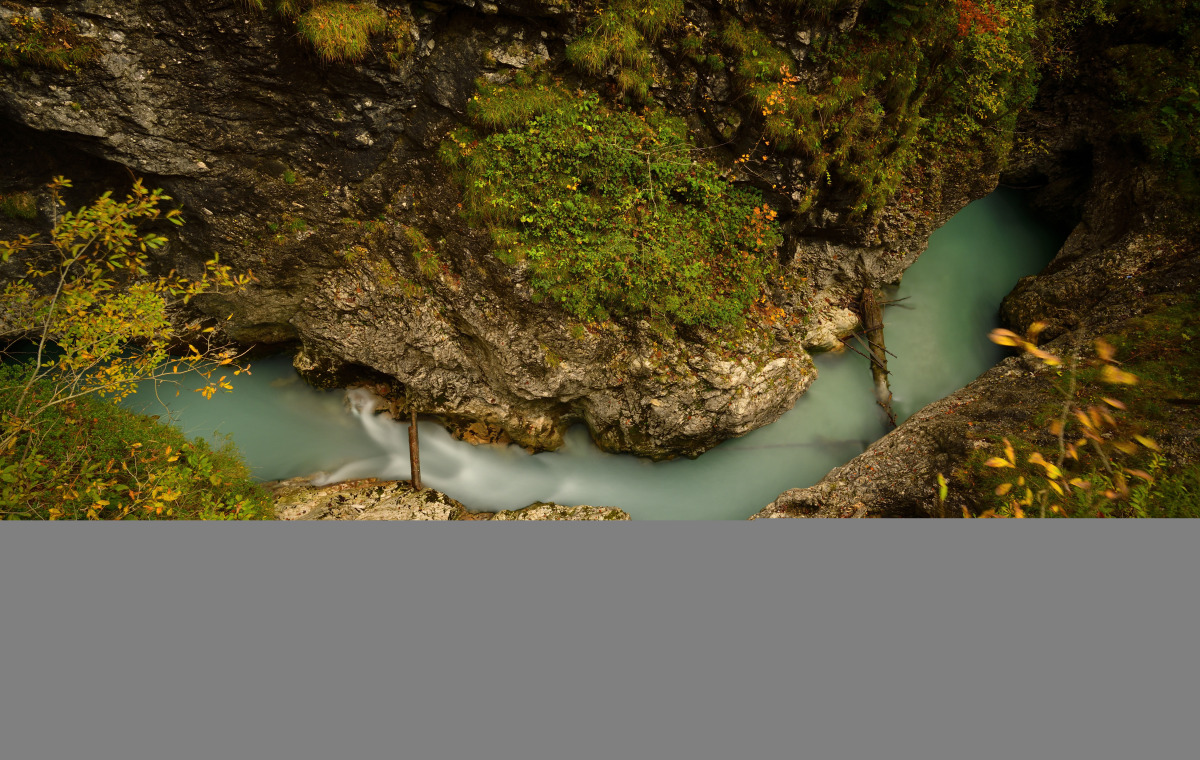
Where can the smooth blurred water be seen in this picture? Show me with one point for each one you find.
(938, 335)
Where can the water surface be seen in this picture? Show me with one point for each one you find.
(938, 335)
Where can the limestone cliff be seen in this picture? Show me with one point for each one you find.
(323, 180)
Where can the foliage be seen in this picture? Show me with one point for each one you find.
(619, 38)
(98, 320)
(911, 81)
(341, 32)
(1142, 59)
(18, 206)
(1153, 80)
(616, 213)
(90, 459)
(48, 41)
(1089, 474)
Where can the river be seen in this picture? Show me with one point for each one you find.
(938, 335)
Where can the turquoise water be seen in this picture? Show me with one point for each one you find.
(938, 335)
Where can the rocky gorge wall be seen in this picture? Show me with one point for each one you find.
(324, 181)
(1128, 273)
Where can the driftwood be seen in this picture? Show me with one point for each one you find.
(872, 320)
(414, 446)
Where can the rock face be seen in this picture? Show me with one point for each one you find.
(370, 499)
(1132, 251)
(323, 181)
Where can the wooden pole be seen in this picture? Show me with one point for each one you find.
(414, 448)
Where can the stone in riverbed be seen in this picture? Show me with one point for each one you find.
(370, 499)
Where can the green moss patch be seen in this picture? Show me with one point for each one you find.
(18, 206)
(617, 214)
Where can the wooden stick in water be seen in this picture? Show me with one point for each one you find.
(414, 448)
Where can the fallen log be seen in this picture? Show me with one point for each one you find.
(872, 320)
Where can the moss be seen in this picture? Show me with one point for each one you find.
(908, 81)
(617, 214)
(19, 206)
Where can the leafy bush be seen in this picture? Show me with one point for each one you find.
(89, 458)
(617, 214)
(1101, 462)
(98, 323)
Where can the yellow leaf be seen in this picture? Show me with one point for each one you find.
(997, 462)
(1112, 375)
(1114, 403)
(1036, 329)
(1003, 488)
(1105, 351)
(1147, 442)
(1141, 474)
(1125, 447)
(1057, 488)
(1009, 454)
(1004, 337)
(1049, 359)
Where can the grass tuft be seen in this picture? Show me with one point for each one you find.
(341, 32)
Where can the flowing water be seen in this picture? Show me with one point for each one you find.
(938, 335)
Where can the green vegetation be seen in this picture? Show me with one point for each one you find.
(1097, 456)
(424, 254)
(98, 322)
(913, 83)
(19, 206)
(1152, 76)
(341, 32)
(48, 41)
(90, 459)
(617, 214)
(619, 38)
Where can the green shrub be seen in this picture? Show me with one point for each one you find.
(90, 459)
(617, 214)
(19, 206)
(940, 80)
